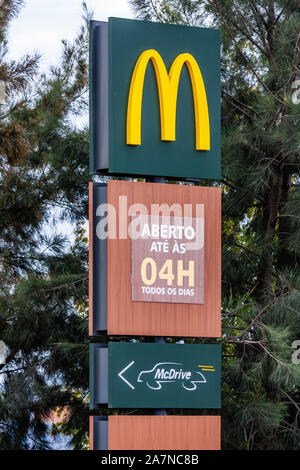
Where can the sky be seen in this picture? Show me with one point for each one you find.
(42, 24)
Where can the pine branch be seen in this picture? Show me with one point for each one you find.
(232, 101)
(290, 399)
(250, 65)
(157, 14)
(259, 20)
(238, 188)
(255, 320)
(240, 106)
(62, 286)
(282, 11)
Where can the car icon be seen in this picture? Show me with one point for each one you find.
(171, 372)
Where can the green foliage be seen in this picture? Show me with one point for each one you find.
(43, 276)
(43, 180)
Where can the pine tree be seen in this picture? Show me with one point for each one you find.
(260, 62)
(43, 276)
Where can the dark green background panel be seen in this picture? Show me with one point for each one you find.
(127, 39)
(130, 359)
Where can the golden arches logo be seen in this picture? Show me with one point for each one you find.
(167, 84)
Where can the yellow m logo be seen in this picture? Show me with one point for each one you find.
(167, 90)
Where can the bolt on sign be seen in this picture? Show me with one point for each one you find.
(155, 254)
(155, 99)
(147, 375)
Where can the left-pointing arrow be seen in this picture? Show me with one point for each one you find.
(122, 372)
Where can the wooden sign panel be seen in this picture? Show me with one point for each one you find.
(164, 433)
(134, 312)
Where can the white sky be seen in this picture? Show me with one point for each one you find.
(42, 24)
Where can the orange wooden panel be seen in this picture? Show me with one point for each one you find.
(157, 318)
(164, 432)
(91, 433)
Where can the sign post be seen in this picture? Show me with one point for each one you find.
(155, 249)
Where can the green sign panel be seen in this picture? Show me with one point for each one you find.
(164, 375)
(155, 99)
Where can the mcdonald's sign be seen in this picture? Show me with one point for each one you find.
(167, 88)
(154, 100)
